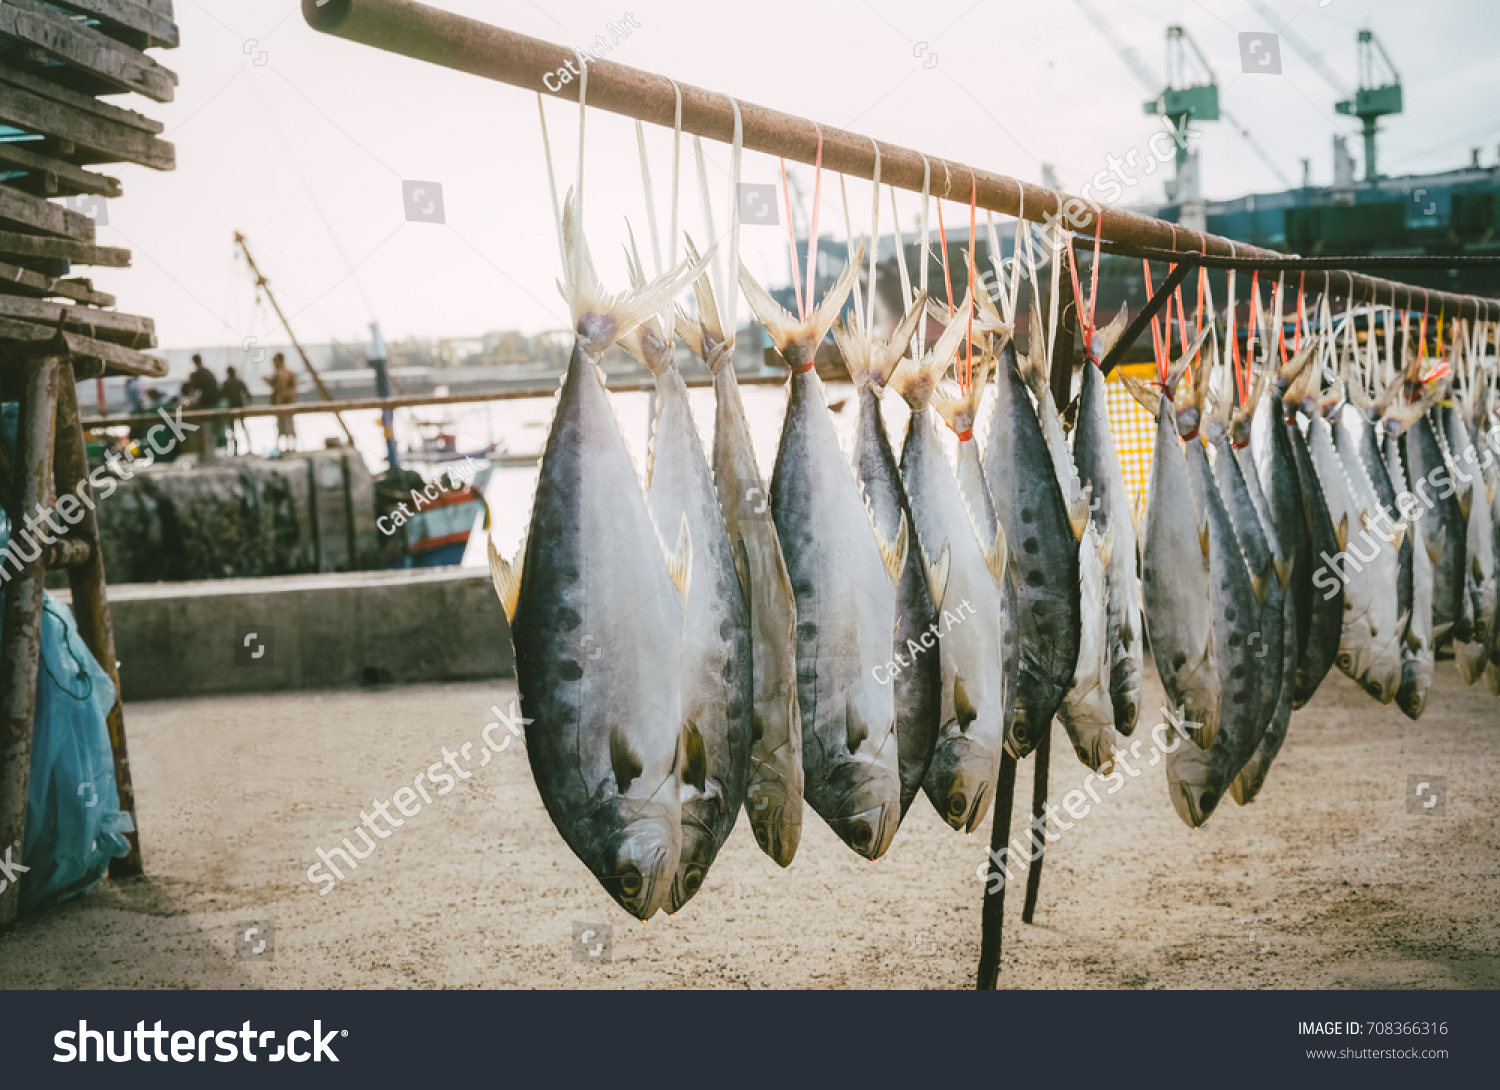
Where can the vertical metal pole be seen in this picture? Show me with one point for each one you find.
(90, 606)
(1038, 812)
(992, 916)
(21, 628)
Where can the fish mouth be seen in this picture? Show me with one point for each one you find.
(970, 771)
(1191, 782)
(775, 832)
(870, 832)
(644, 869)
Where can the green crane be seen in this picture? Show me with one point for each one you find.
(1183, 101)
(1372, 100)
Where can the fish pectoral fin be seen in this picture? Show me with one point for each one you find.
(963, 707)
(1466, 503)
(1400, 538)
(1106, 548)
(1203, 539)
(680, 563)
(1260, 583)
(507, 578)
(624, 762)
(937, 576)
(894, 555)
(1341, 532)
(1078, 514)
(995, 556)
(1436, 544)
(856, 730)
(694, 757)
(742, 565)
(1284, 571)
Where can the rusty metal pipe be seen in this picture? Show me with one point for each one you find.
(468, 45)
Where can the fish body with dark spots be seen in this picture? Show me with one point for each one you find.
(1098, 465)
(1325, 605)
(1470, 463)
(1032, 508)
(918, 687)
(716, 675)
(1201, 769)
(1429, 475)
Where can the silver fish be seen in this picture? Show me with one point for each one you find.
(1099, 470)
(1429, 475)
(773, 797)
(1476, 504)
(1087, 712)
(844, 579)
(596, 616)
(716, 675)
(1029, 499)
(1418, 648)
(871, 361)
(1175, 571)
(967, 577)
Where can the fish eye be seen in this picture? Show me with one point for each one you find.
(760, 835)
(692, 881)
(631, 882)
(957, 804)
(1206, 801)
(862, 836)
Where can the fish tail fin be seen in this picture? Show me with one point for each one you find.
(797, 342)
(1111, 333)
(917, 380)
(602, 317)
(962, 410)
(507, 578)
(1147, 395)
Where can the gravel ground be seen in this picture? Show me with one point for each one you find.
(1325, 882)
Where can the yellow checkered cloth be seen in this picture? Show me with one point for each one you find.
(1133, 429)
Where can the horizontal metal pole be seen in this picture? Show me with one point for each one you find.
(360, 404)
(468, 45)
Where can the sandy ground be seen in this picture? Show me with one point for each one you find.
(1325, 882)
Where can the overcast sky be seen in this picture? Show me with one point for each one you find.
(303, 141)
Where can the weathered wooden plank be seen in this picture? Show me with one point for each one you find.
(149, 25)
(117, 359)
(66, 178)
(21, 249)
(109, 141)
(33, 213)
(33, 23)
(42, 84)
(15, 280)
(106, 325)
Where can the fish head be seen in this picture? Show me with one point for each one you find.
(775, 811)
(961, 779)
(699, 847)
(1354, 658)
(1194, 787)
(866, 807)
(639, 863)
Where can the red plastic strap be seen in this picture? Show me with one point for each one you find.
(968, 371)
(1301, 294)
(965, 435)
(1094, 279)
(1161, 365)
(806, 367)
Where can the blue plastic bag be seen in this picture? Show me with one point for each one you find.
(74, 824)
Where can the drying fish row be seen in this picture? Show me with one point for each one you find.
(902, 620)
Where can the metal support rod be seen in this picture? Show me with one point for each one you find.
(992, 915)
(263, 285)
(1337, 266)
(90, 606)
(467, 45)
(362, 404)
(1140, 321)
(21, 627)
(1038, 813)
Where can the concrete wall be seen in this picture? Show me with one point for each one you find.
(312, 632)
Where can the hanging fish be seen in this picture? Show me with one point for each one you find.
(716, 675)
(1099, 471)
(773, 796)
(967, 573)
(1476, 505)
(918, 685)
(1030, 501)
(1429, 474)
(1175, 564)
(1419, 647)
(844, 579)
(596, 613)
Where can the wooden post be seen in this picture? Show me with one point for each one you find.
(21, 628)
(90, 607)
